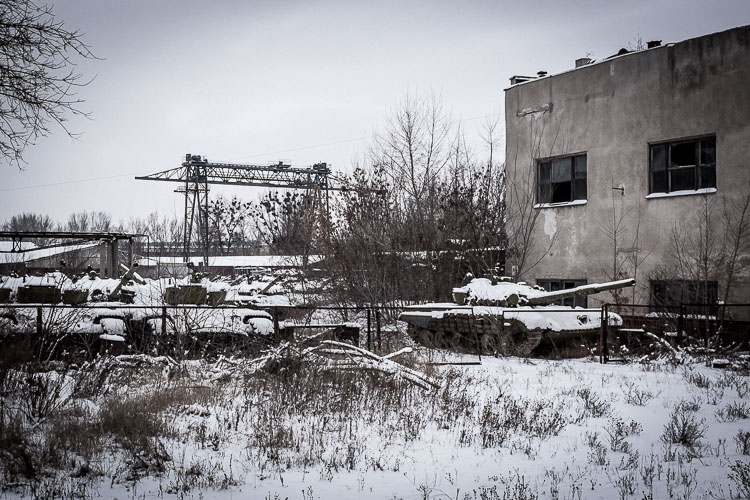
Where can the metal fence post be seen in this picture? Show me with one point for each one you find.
(368, 330)
(39, 322)
(163, 328)
(276, 335)
(603, 350)
(377, 327)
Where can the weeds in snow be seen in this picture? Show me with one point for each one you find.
(617, 430)
(742, 439)
(635, 395)
(733, 412)
(685, 429)
(741, 476)
(696, 378)
(197, 426)
(593, 405)
(597, 454)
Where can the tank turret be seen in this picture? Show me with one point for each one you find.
(483, 292)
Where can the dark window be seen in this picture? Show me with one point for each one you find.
(555, 285)
(561, 179)
(677, 292)
(683, 165)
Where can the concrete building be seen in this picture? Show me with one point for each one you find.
(633, 166)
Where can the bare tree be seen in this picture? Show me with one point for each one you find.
(228, 220)
(31, 222)
(736, 237)
(413, 151)
(700, 246)
(93, 221)
(38, 79)
(282, 222)
(620, 230)
(525, 250)
(419, 210)
(164, 233)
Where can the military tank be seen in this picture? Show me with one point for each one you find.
(505, 317)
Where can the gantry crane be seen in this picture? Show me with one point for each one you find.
(196, 173)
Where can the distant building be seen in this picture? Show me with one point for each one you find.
(627, 166)
(72, 257)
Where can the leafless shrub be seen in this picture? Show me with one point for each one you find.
(714, 394)
(200, 474)
(634, 395)
(742, 439)
(593, 404)
(618, 429)
(685, 429)
(733, 412)
(625, 485)
(17, 457)
(742, 386)
(648, 472)
(74, 431)
(741, 476)
(597, 454)
(696, 378)
(694, 405)
(494, 425)
(517, 488)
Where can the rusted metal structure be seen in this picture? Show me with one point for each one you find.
(109, 249)
(196, 173)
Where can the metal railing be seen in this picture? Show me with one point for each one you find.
(40, 318)
(704, 326)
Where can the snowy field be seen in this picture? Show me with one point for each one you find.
(140, 427)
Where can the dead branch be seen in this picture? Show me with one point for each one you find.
(362, 358)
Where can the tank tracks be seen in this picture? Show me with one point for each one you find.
(469, 334)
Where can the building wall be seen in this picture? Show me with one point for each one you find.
(612, 110)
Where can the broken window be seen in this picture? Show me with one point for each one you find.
(677, 292)
(683, 165)
(555, 285)
(562, 179)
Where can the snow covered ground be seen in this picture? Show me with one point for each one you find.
(140, 427)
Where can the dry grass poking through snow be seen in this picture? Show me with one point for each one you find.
(507, 429)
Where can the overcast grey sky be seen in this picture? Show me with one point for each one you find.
(258, 81)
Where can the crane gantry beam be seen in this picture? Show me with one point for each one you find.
(196, 174)
(272, 176)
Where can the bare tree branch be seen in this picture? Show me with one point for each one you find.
(38, 80)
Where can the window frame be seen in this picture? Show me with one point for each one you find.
(576, 301)
(703, 172)
(577, 180)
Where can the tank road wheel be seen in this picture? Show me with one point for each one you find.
(439, 340)
(527, 342)
(518, 340)
(488, 343)
(453, 342)
(425, 337)
(421, 336)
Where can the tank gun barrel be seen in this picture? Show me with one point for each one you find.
(550, 297)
